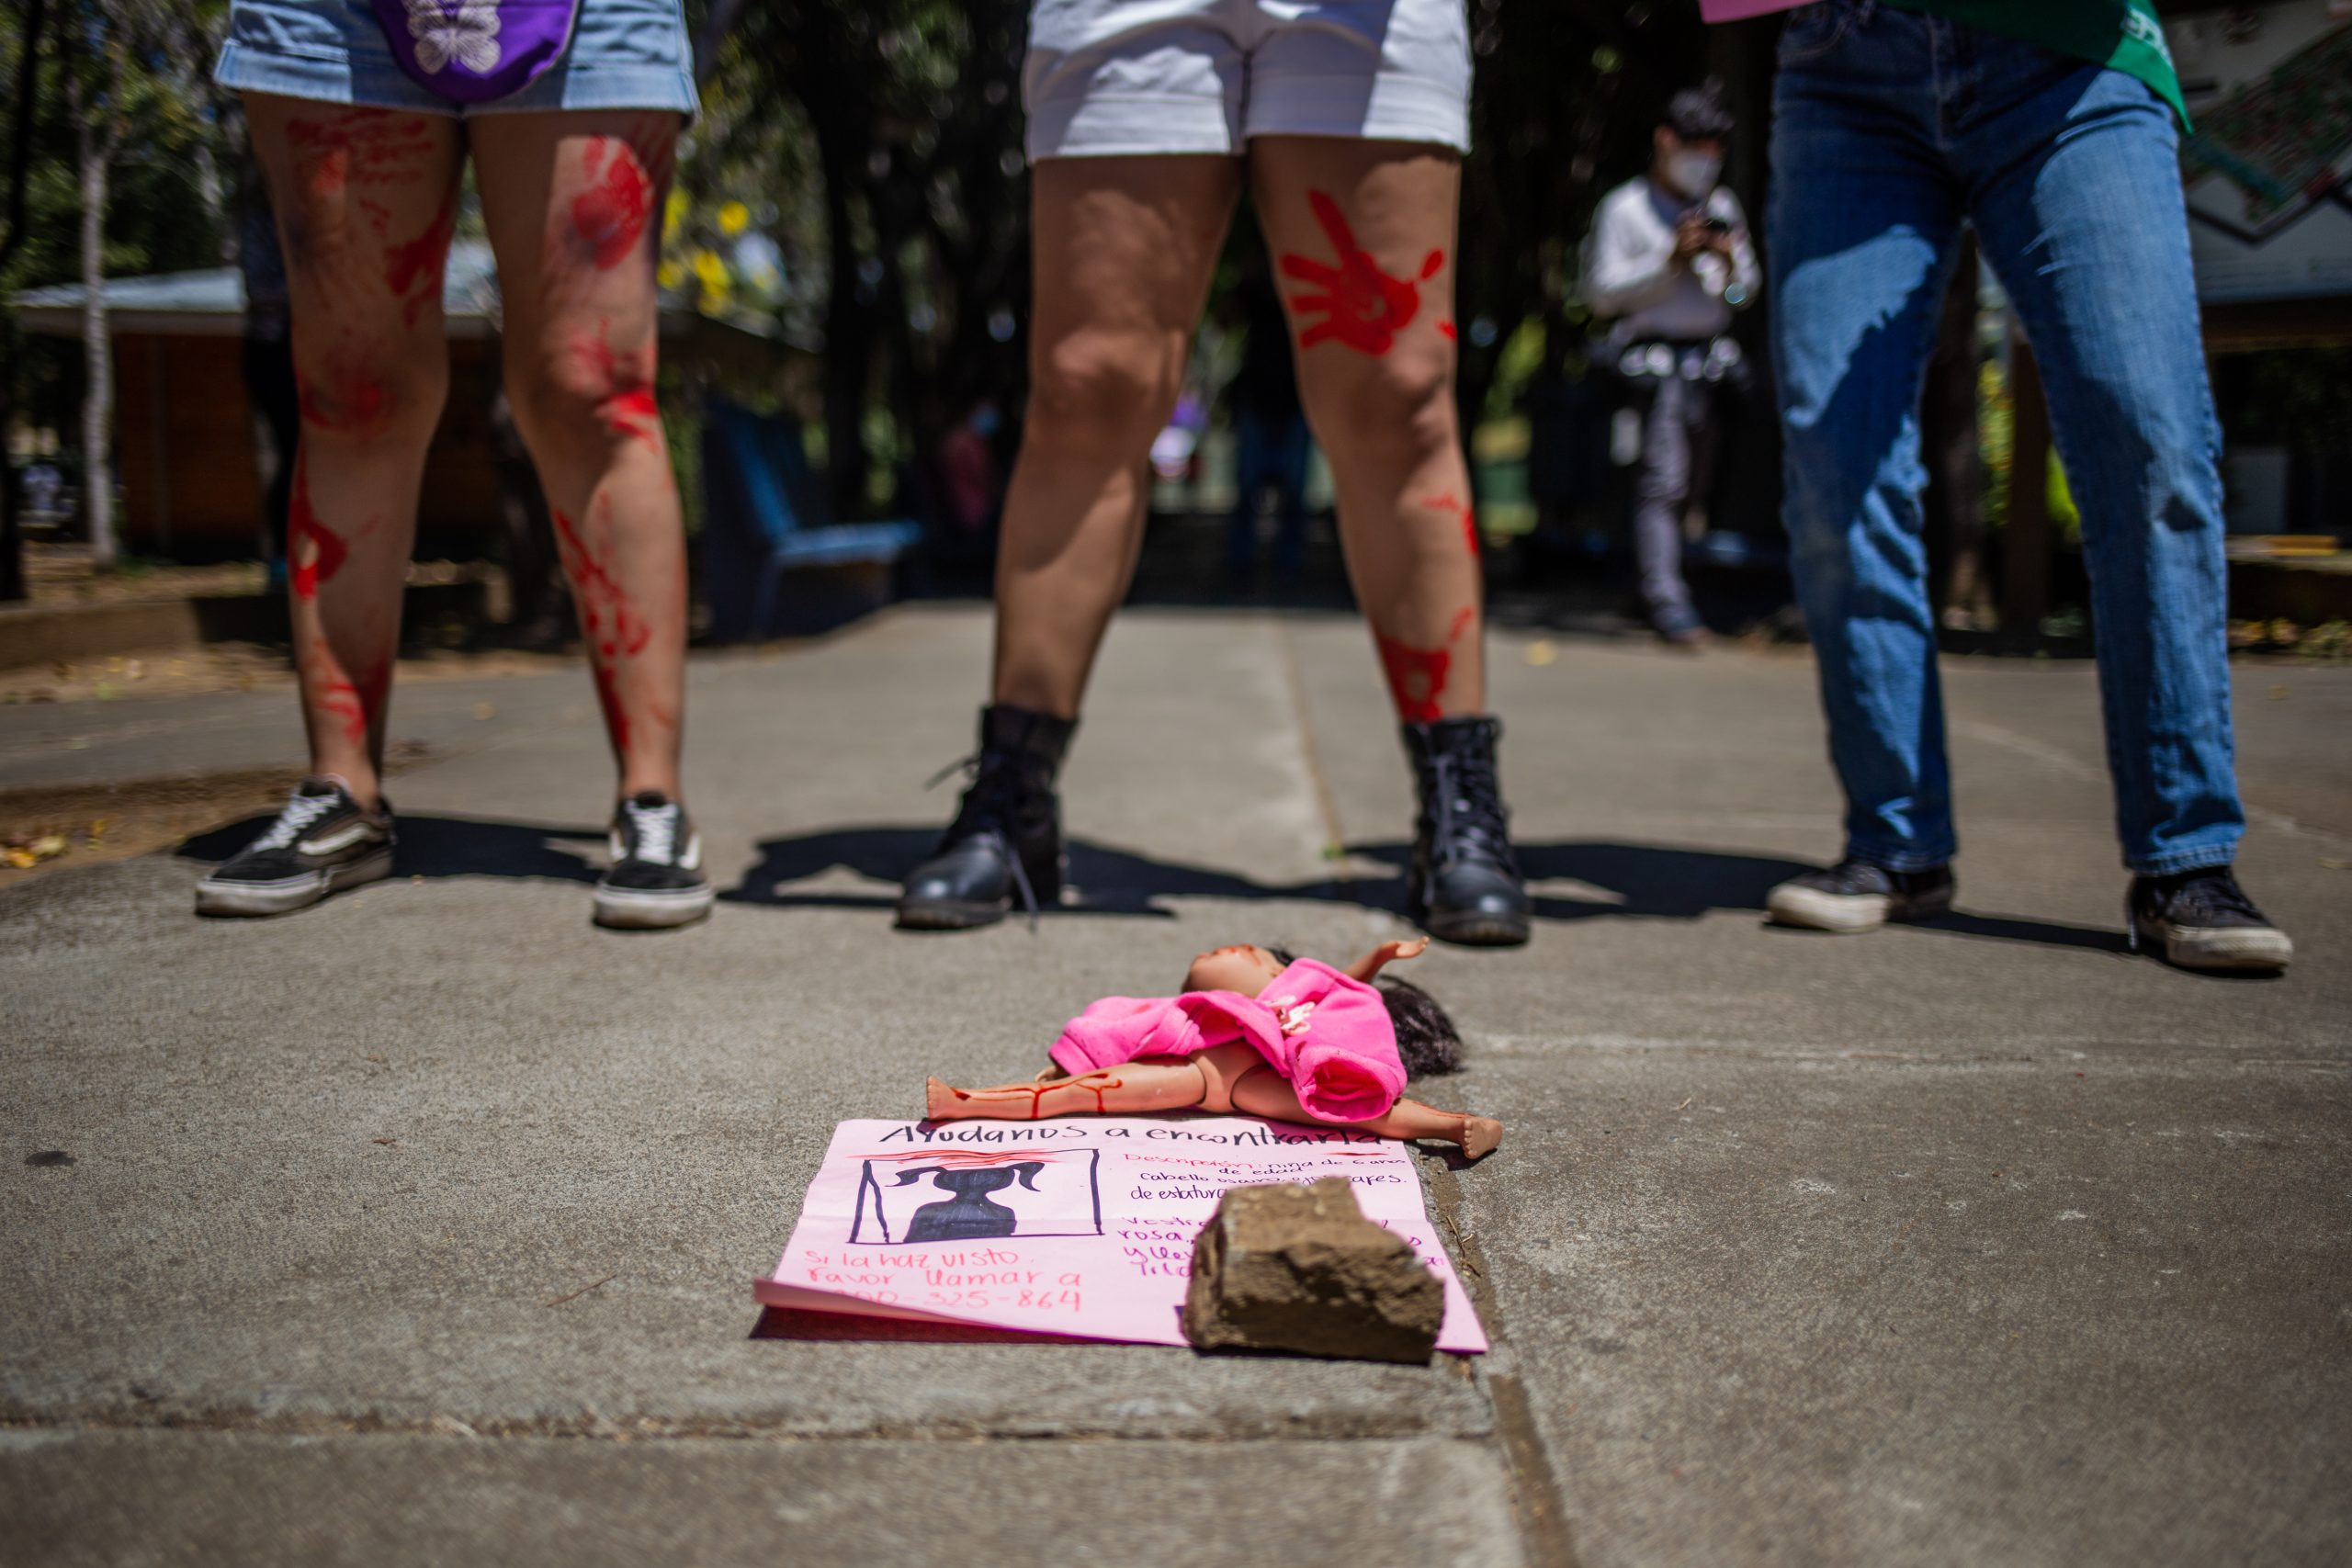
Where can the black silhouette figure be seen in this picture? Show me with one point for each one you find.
(969, 1214)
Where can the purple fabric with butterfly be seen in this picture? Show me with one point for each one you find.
(473, 51)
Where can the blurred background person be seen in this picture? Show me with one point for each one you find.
(1270, 443)
(1669, 259)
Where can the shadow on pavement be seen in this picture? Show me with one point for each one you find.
(791, 1323)
(443, 846)
(1635, 881)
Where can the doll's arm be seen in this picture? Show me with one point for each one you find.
(1388, 952)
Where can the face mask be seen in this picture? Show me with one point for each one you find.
(1694, 174)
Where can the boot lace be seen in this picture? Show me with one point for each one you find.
(653, 831)
(301, 811)
(991, 799)
(1472, 824)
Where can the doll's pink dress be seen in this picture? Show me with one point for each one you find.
(1328, 1035)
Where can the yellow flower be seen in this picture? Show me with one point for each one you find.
(709, 269)
(673, 212)
(670, 273)
(734, 217)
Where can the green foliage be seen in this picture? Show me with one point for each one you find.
(145, 71)
(1996, 439)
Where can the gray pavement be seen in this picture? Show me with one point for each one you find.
(420, 1226)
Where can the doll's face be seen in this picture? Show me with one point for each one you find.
(1245, 969)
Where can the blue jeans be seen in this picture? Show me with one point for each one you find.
(1891, 129)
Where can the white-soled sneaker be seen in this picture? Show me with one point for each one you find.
(1855, 896)
(656, 878)
(2203, 919)
(322, 841)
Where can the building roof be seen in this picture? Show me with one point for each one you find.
(212, 303)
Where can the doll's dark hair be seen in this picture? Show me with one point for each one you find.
(1426, 1037)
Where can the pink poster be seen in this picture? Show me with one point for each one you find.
(1081, 1226)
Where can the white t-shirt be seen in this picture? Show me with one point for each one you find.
(1630, 271)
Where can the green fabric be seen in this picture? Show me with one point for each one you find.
(2122, 34)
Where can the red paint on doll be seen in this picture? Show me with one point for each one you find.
(413, 268)
(610, 215)
(1362, 308)
(1417, 676)
(1446, 328)
(314, 552)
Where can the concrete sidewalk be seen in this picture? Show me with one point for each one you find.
(420, 1226)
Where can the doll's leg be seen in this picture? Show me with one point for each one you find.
(1168, 1083)
(1265, 1094)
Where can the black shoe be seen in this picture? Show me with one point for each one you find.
(1855, 896)
(1006, 841)
(322, 843)
(656, 878)
(2203, 919)
(1464, 885)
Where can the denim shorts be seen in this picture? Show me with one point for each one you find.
(624, 54)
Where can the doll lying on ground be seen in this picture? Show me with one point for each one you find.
(1257, 1031)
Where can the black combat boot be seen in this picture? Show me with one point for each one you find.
(1465, 883)
(1006, 841)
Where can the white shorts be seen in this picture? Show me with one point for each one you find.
(1113, 77)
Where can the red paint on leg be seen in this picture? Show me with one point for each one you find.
(1417, 676)
(625, 404)
(1361, 307)
(339, 699)
(413, 268)
(360, 147)
(608, 697)
(343, 396)
(609, 621)
(633, 414)
(1455, 505)
(314, 552)
(609, 217)
(1445, 330)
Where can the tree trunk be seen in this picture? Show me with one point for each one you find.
(11, 537)
(12, 541)
(97, 347)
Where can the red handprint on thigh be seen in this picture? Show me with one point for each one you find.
(1361, 306)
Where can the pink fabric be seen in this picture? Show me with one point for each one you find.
(1328, 1035)
(1732, 10)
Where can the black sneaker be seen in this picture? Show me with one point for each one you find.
(1855, 896)
(656, 878)
(322, 841)
(2203, 919)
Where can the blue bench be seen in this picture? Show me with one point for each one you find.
(761, 509)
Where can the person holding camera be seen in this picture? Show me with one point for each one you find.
(1670, 258)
